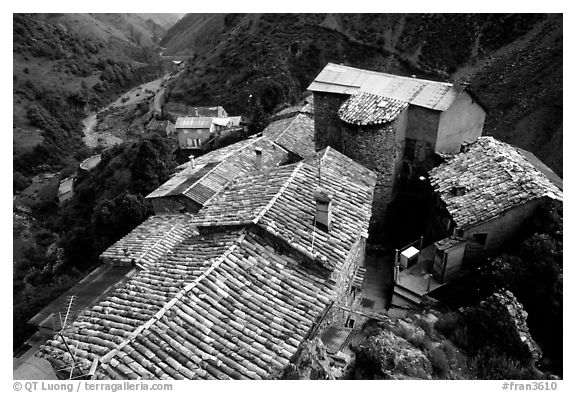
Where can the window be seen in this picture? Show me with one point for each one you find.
(480, 238)
(185, 131)
(189, 142)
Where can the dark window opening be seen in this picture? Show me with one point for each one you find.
(410, 149)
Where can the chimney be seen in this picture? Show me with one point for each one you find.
(323, 209)
(258, 158)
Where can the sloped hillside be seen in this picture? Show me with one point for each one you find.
(513, 61)
(58, 73)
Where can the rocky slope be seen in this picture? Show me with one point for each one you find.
(513, 61)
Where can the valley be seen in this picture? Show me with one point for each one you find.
(87, 87)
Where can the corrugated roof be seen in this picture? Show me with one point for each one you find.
(493, 177)
(193, 122)
(348, 80)
(367, 109)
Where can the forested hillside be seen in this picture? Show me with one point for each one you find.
(512, 61)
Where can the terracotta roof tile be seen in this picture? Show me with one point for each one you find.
(366, 109)
(282, 203)
(208, 177)
(228, 304)
(150, 240)
(492, 178)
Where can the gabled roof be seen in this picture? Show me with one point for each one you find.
(193, 122)
(229, 303)
(211, 178)
(295, 134)
(226, 306)
(493, 177)
(149, 240)
(368, 109)
(341, 79)
(282, 203)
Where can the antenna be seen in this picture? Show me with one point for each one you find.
(68, 316)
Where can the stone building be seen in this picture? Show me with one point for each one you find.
(234, 292)
(483, 199)
(398, 126)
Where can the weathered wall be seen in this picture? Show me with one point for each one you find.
(501, 230)
(462, 122)
(185, 133)
(344, 279)
(174, 204)
(380, 149)
(327, 125)
(423, 125)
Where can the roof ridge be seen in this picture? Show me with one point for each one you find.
(160, 240)
(280, 192)
(292, 120)
(220, 163)
(160, 313)
(387, 74)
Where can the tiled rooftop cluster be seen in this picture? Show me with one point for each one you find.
(492, 177)
(284, 205)
(212, 176)
(227, 303)
(368, 109)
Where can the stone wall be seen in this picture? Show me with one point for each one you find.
(378, 149)
(343, 283)
(327, 124)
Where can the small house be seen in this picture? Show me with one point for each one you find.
(193, 132)
(484, 197)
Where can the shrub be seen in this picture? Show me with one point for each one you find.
(440, 364)
(20, 181)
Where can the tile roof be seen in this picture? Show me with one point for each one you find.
(295, 134)
(237, 315)
(341, 79)
(495, 178)
(211, 177)
(282, 203)
(150, 240)
(228, 304)
(367, 109)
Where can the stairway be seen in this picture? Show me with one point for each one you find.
(404, 297)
